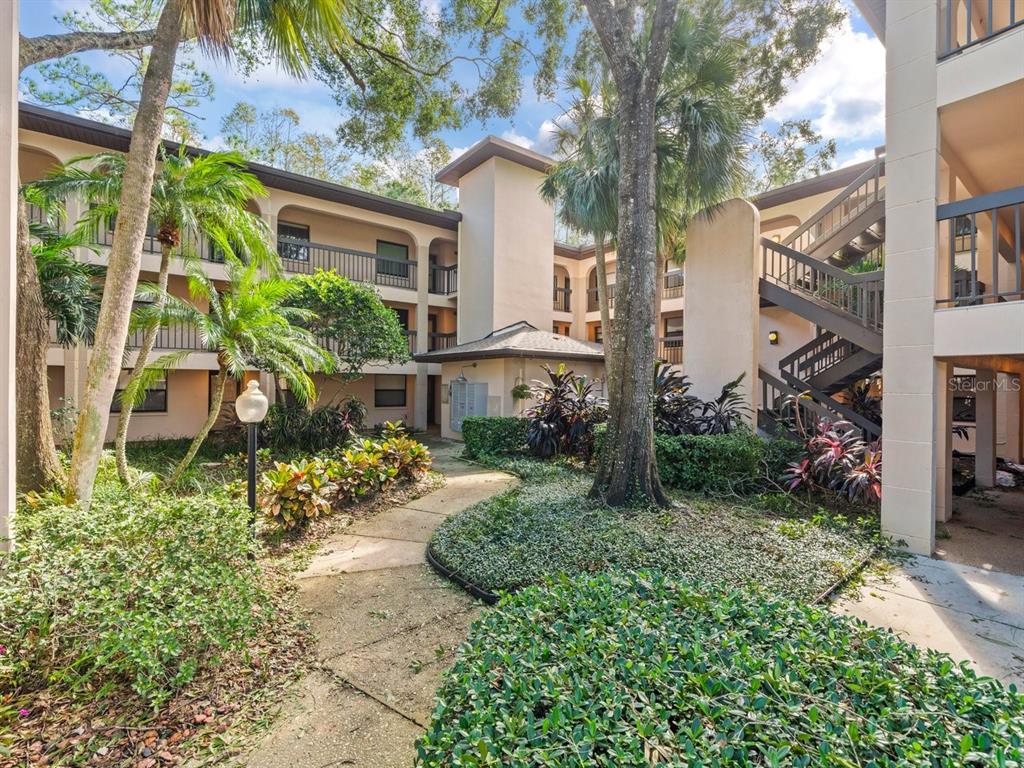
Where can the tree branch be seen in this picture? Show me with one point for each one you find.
(36, 49)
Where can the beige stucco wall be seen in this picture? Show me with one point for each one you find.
(722, 270)
(914, 469)
(501, 375)
(8, 231)
(334, 389)
(506, 250)
(794, 331)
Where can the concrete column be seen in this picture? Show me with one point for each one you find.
(8, 275)
(722, 270)
(419, 420)
(910, 410)
(943, 441)
(985, 428)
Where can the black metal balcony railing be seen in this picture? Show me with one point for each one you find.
(410, 337)
(195, 243)
(437, 341)
(670, 349)
(305, 257)
(592, 303)
(561, 299)
(444, 280)
(965, 23)
(673, 284)
(171, 337)
(984, 232)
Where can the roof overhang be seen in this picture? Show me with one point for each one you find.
(53, 123)
(454, 356)
(484, 150)
(815, 185)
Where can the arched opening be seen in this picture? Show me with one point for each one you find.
(444, 266)
(562, 290)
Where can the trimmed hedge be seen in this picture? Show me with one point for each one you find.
(631, 671)
(739, 461)
(493, 435)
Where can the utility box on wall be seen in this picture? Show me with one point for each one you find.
(468, 398)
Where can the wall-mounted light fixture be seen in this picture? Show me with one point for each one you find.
(773, 337)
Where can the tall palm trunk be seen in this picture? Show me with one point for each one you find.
(148, 342)
(601, 268)
(36, 457)
(211, 419)
(125, 257)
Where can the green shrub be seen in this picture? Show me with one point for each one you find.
(633, 671)
(494, 435)
(739, 461)
(294, 494)
(139, 591)
(547, 525)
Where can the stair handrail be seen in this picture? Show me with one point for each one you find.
(794, 279)
(874, 171)
(820, 403)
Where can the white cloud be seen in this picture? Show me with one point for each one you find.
(857, 156)
(517, 138)
(843, 93)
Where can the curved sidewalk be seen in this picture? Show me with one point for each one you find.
(386, 628)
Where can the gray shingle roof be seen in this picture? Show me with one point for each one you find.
(518, 340)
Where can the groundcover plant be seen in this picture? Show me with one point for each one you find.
(640, 670)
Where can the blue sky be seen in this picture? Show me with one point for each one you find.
(843, 93)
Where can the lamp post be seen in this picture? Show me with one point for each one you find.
(251, 408)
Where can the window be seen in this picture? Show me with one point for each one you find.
(403, 317)
(291, 250)
(388, 390)
(674, 326)
(598, 335)
(392, 257)
(155, 400)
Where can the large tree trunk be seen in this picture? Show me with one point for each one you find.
(125, 257)
(36, 458)
(148, 342)
(211, 419)
(627, 470)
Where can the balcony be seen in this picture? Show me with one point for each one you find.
(303, 257)
(436, 341)
(561, 299)
(670, 349)
(968, 22)
(985, 237)
(444, 281)
(197, 244)
(593, 305)
(672, 284)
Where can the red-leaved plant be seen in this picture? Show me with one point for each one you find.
(837, 460)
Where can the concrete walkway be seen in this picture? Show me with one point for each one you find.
(386, 627)
(965, 611)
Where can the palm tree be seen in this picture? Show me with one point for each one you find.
(585, 184)
(204, 195)
(291, 30)
(249, 324)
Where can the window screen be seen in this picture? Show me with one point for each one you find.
(389, 390)
(155, 400)
(294, 251)
(394, 261)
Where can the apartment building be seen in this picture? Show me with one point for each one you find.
(811, 309)
(905, 268)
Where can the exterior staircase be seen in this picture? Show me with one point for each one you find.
(804, 274)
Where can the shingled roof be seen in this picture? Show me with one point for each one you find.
(518, 340)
